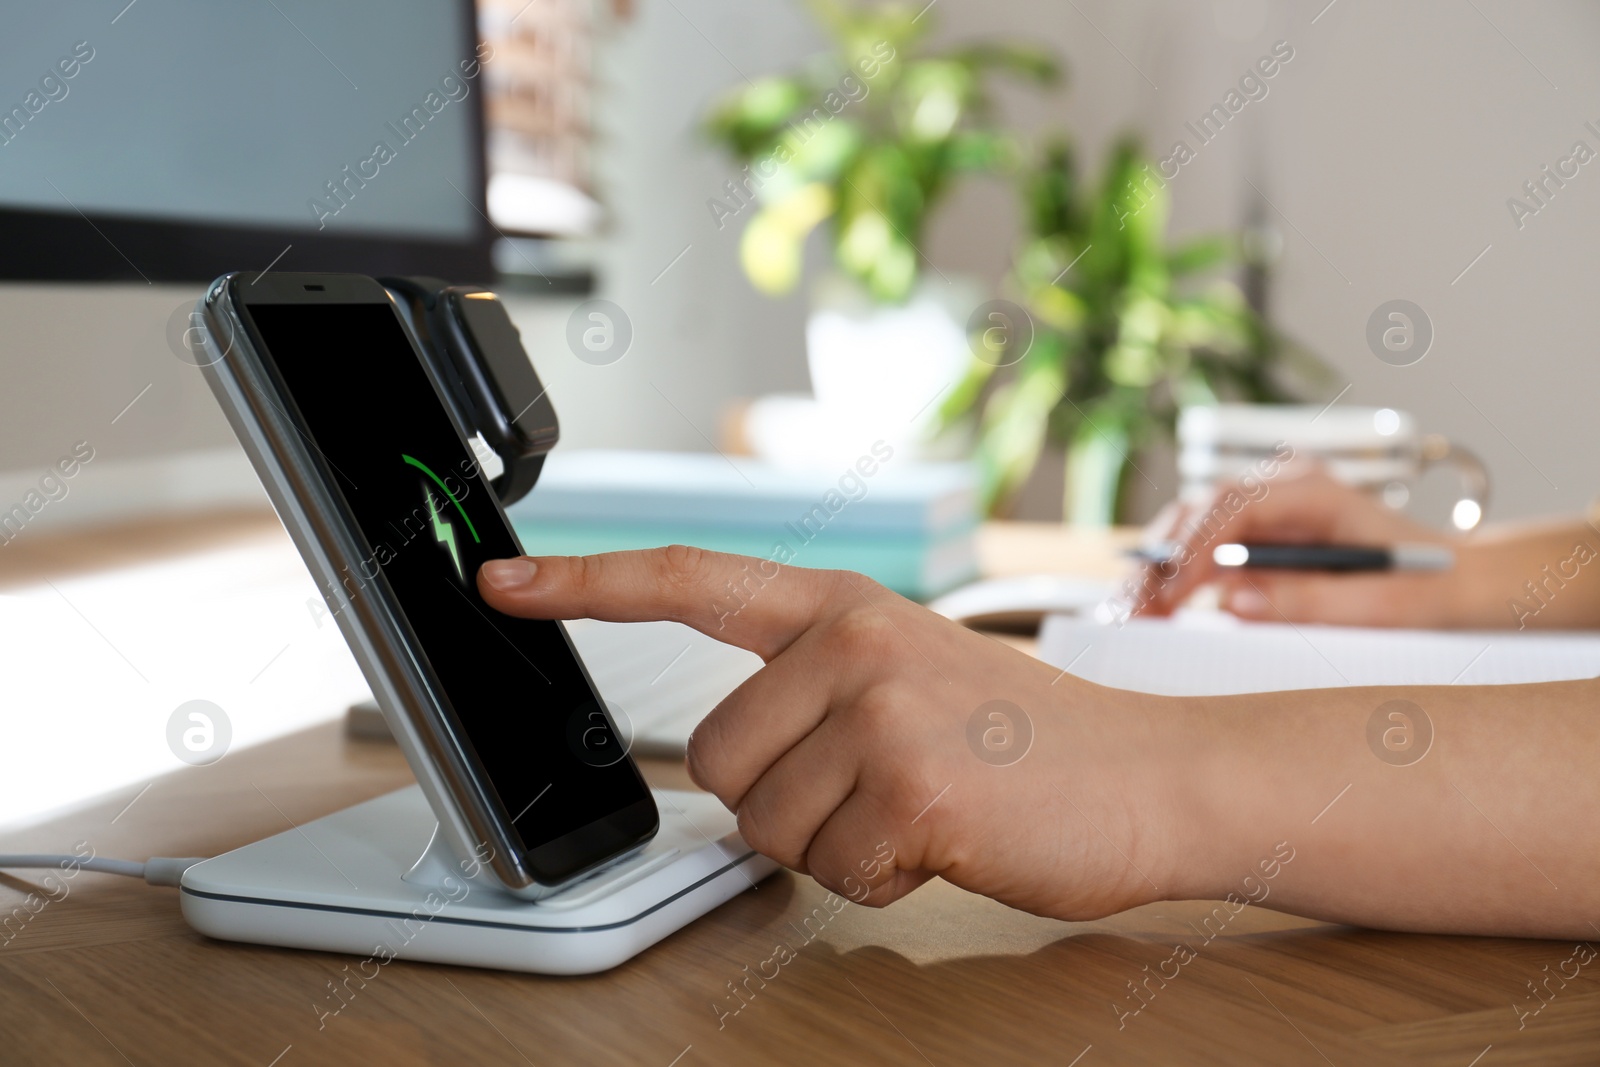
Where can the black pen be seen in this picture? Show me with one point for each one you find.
(1311, 557)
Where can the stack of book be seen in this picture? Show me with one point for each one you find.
(908, 525)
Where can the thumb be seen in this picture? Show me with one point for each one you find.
(756, 604)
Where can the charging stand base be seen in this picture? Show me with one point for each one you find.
(353, 882)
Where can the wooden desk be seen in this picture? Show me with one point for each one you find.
(111, 975)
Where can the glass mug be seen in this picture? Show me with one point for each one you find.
(1378, 449)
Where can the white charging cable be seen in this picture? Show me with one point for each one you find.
(157, 870)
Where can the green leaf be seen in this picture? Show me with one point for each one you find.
(821, 150)
(1050, 193)
(1203, 253)
(1036, 64)
(889, 122)
(1098, 276)
(1013, 430)
(749, 120)
(981, 151)
(933, 97)
(964, 397)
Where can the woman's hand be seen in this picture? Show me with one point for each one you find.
(1509, 577)
(868, 754)
(883, 745)
(1301, 505)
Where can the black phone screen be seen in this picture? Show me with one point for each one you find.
(429, 519)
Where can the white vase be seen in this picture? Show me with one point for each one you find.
(884, 369)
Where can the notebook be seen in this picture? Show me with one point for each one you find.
(1209, 653)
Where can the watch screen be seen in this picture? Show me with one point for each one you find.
(518, 695)
(500, 348)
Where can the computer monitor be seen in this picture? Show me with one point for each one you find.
(173, 140)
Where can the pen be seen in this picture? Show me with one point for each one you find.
(1310, 557)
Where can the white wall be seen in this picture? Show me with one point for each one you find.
(702, 335)
(1396, 154)
(1390, 143)
(90, 363)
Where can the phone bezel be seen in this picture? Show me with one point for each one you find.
(375, 624)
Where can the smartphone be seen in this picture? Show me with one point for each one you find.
(377, 486)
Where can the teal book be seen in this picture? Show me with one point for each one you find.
(915, 567)
(878, 493)
(908, 525)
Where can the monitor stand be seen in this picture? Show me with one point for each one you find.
(375, 880)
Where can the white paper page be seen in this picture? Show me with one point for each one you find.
(1200, 654)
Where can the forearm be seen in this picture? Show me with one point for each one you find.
(1544, 575)
(1495, 829)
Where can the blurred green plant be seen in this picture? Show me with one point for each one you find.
(1125, 331)
(870, 136)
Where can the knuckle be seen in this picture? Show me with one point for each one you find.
(909, 786)
(753, 826)
(857, 632)
(761, 827)
(879, 717)
(584, 573)
(713, 764)
(857, 586)
(700, 757)
(682, 565)
(821, 863)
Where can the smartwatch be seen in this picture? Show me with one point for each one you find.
(475, 354)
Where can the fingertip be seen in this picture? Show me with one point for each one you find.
(691, 759)
(509, 575)
(1248, 602)
(1163, 586)
(1144, 593)
(1153, 609)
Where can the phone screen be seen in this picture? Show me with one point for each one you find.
(518, 695)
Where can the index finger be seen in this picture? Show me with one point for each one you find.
(757, 604)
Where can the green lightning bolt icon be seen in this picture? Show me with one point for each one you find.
(443, 532)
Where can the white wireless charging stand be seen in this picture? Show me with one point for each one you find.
(388, 878)
(377, 881)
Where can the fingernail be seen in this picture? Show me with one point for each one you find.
(509, 574)
(1248, 603)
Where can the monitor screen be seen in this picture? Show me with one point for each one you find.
(351, 129)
